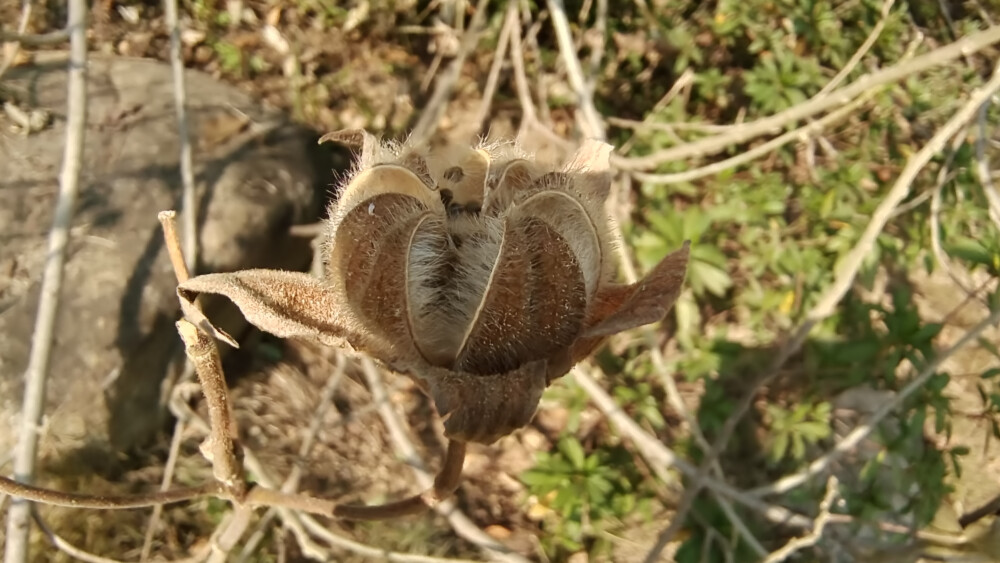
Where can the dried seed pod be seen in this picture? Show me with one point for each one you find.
(477, 271)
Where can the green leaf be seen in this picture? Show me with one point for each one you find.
(711, 278)
(779, 447)
(571, 448)
(969, 250)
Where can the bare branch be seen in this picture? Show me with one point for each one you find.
(438, 102)
(220, 448)
(900, 190)
(661, 458)
(489, 90)
(258, 535)
(41, 40)
(861, 52)
(168, 221)
(991, 507)
(107, 502)
(299, 522)
(739, 134)
(667, 126)
(810, 539)
(228, 533)
(189, 207)
(802, 133)
(591, 119)
(851, 263)
(75, 552)
(168, 477)
(983, 165)
(529, 115)
(11, 54)
(822, 464)
(677, 520)
(341, 542)
(33, 405)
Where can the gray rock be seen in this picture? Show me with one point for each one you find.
(257, 175)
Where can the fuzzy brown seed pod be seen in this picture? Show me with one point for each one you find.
(477, 271)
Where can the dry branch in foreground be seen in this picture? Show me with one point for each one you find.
(19, 516)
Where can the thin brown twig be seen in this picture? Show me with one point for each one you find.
(168, 221)
(107, 502)
(739, 134)
(36, 374)
(220, 448)
(286, 505)
(37, 40)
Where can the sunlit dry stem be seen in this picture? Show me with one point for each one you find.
(42, 337)
(220, 448)
(107, 502)
(168, 220)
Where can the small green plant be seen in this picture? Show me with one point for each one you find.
(587, 493)
(230, 57)
(793, 429)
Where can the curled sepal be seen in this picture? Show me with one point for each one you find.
(357, 140)
(484, 408)
(285, 304)
(646, 301)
